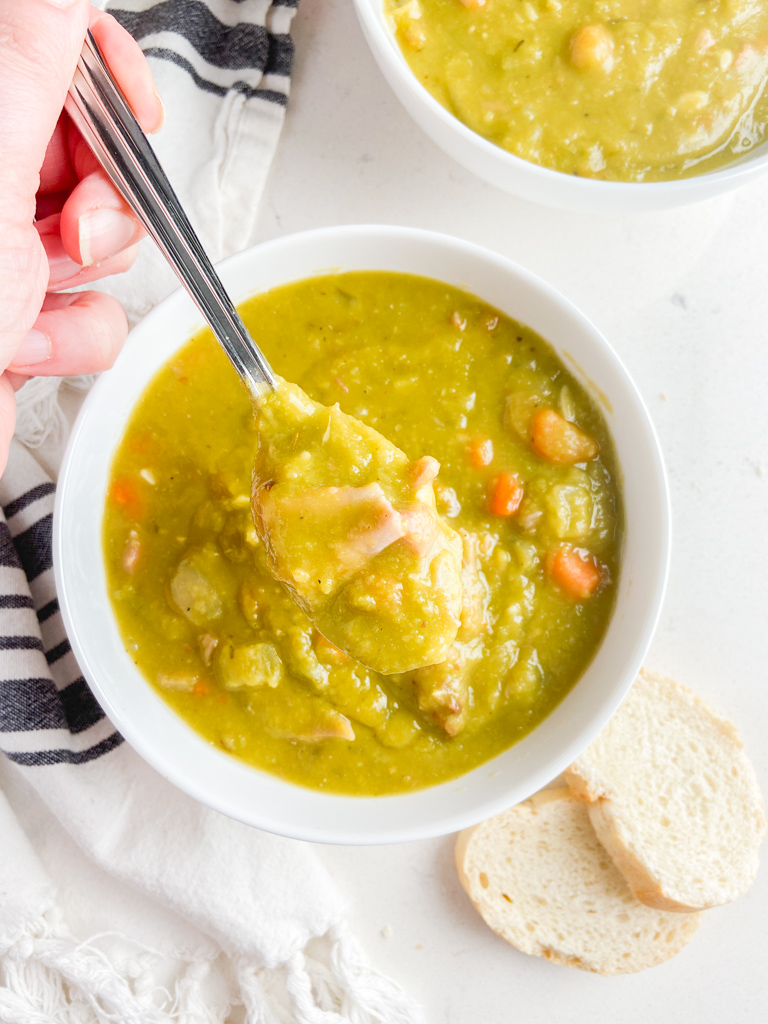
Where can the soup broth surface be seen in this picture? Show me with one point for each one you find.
(439, 373)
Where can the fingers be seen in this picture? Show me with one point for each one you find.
(79, 332)
(57, 173)
(64, 272)
(39, 46)
(95, 222)
(129, 66)
(16, 380)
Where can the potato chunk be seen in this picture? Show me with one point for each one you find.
(193, 592)
(559, 441)
(569, 508)
(249, 665)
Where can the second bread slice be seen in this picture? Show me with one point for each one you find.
(673, 798)
(540, 879)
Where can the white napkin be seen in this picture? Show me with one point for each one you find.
(121, 899)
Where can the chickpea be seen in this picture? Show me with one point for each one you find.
(591, 48)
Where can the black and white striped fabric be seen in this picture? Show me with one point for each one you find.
(48, 715)
(241, 45)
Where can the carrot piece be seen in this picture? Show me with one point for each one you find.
(506, 495)
(142, 443)
(200, 689)
(126, 494)
(575, 571)
(559, 441)
(480, 451)
(325, 649)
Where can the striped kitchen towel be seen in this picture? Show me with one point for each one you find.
(48, 715)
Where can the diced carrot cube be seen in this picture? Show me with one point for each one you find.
(559, 441)
(126, 494)
(141, 443)
(480, 451)
(506, 495)
(575, 571)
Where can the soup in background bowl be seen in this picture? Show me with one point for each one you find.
(615, 90)
(204, 767)
(461, 85)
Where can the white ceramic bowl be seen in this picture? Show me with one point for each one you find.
(255, 797)
(525, 179)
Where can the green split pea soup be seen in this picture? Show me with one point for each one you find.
(618, 90)
(528, 479)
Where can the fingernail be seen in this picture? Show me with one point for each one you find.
(162, 109)
(34, 349)
(103, 233)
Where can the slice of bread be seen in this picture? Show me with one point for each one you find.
(541, 880)
(673, 798)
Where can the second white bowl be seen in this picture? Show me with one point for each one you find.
(521, 177)
(253, 796)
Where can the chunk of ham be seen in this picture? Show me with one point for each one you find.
(131, 552)
(420, 528)
(332, 726)
(352, 524)
(370, 524)
(424, 472)
(443, 690)
(377, 524)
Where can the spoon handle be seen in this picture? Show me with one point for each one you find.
(104, 119)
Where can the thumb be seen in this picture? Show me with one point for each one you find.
(40, 41)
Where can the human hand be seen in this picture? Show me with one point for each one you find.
(62, 223)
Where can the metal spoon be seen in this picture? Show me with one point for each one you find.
(99, 110)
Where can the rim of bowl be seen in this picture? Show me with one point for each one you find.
(679, 190)
(154, 738)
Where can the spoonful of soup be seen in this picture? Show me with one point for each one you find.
(351, 530)
(348, 521)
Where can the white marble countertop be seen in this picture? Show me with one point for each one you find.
(682, 296)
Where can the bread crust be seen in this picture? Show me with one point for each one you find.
(641, 882)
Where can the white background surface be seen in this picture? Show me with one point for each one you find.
(683, 297)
